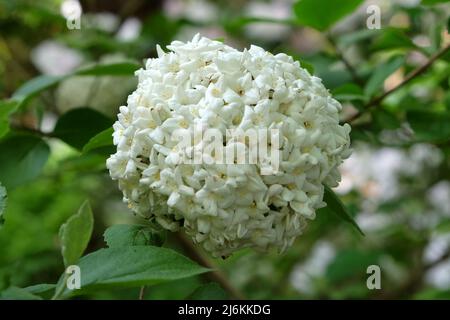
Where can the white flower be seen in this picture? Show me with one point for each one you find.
(224, 207)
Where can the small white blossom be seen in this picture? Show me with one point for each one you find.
(225, 207)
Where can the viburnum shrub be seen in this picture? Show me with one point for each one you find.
(227, 206)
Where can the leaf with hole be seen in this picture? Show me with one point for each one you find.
(124, 235)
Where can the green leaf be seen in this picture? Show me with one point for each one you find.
(76, 233)
(40, 288)
(349, 263)
(393, 38)
(34, 86)
(15, 293)
(433, 2)
(43, 82)
(102, 139)
(125, 235)
(322, 14)
(335, 205)
(306, 65)
(357, 36)
(209, 291)
(21, 159)
(376, 81)
(385, 119)
(132, 267)
(6, 108)
(448, 25)
(429, 125)
(113, 69)
(78, 126)
(348, 92)
(3, 199)
(433, 294)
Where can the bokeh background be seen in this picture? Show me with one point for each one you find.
(396, 183)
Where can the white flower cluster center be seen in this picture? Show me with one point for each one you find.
(225, 207)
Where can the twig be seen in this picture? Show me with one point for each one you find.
(344, 60)
(413, 74)
(215, 275)
(142, 293)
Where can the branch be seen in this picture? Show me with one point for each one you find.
(415, 73)
(215, 275)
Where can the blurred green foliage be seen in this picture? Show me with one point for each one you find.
(52, 160)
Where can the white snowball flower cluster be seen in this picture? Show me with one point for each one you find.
(225, 207)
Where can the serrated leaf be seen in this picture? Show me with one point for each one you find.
(209, 291)
(3, 199)
(102, 139)
(125, 235)
(322, 14)
(132, 267)
(335, 205)
(22, 159)
(76, 233)
(78, 126)
(376, 81)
